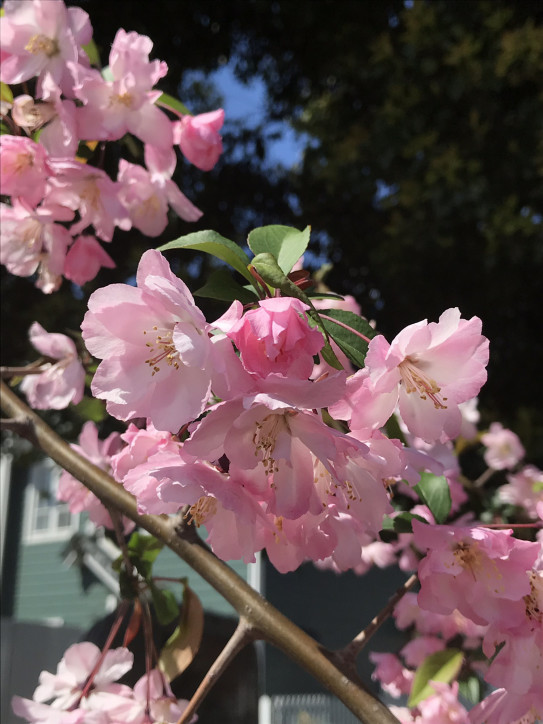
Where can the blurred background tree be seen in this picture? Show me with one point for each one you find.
(419, 126)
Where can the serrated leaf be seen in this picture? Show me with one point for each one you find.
(183, 644)
(6, 94)
(166, 607)
(347, 339)
(434, 492)
(285, 243)
(441, 666)
(213, 243)
(220, 285)
(173, 103)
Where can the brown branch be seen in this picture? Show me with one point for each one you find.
(243, 635)
(349, 653)
(268, 623)
(34, 368)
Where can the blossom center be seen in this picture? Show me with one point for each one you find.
(202, 510)
(42, 44)
(415, 380)
(265, 439)
(162, 349)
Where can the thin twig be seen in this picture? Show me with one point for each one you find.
(481, 480)
(351, 651)
(34, 368)
(22, 426)
(243, 635)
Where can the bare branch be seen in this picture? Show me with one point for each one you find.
(243, 635)
(268, 623)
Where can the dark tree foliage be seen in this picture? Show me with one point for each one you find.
(422, 171)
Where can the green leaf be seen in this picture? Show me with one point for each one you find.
(4, 128)
(182, 646)
(5, 93)
(213, 243)
(220, 285)
(434, 492)
(268, 268)
(346, 339)
(442, 666)
(471, 689)
(174, 103)
(142, 551)
(166, 607)
(93, 55)
(91, 408)
(401, 523)
(285, 243)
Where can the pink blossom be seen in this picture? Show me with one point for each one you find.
(30, 115)
(80, 498)
(480, 572)
(416, 650)
(66, 686)
(444, 707)
(42, 37)
(199, 139)
(430, 369)
(503, 448)
(59, 137)
(24, 168)
(154, 345)
(90, 191)
(146, 196)
(60, 383)
(524, 489)
(275, 338)
(31, 240)
(38, 713)
(394, 678)
(84, 260)
(124, 104)
(503, 707)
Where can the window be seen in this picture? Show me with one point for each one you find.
(46, 518)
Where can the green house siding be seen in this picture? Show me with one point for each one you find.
(45, 588)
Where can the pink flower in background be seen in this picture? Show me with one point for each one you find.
(146, 194)
(525, 489)
(503, 707)
(31, 240)
(90, 191)
(42, 36)
(80, 498)
(199, 139)
(430, 369)
(24, 169)
(126, 103)
(84, 260)
(60, 383)
(154, 345)
(275, 338)
(480, 572)
(503, 448)
(65, 687)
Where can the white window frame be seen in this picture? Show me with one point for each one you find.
(45, 476)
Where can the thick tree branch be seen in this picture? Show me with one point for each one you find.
(268, 623)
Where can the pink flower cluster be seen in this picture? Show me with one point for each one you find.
(261, 469)
(48, 184)
(83, 691)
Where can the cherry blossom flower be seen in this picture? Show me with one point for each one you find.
(146, 194)
(199, 139)
(59, 384)
(80, 498)
(503, 707)
(525, 489)
(90, 191)
(41, 37)
(275, 338)
(480, 572)
(38, 713)
(503, 448)
(32, 240)
(24, 168)
(84, 260)
(154, 345)
(429, 368)
(124, 104)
